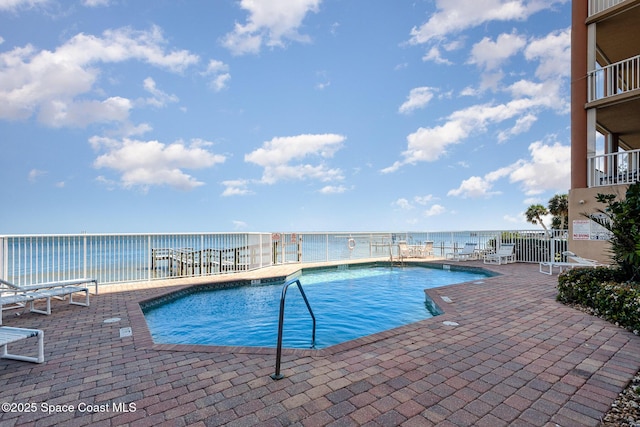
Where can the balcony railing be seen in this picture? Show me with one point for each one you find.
(614, 168)
(597, 6)
(116, 258)
(614, 79)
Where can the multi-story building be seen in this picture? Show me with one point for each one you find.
(605, 113)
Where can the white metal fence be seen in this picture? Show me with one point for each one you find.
(115, 258)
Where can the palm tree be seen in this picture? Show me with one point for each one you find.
(534, 215)
(559, 208)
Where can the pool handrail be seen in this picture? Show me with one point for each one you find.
(277, 375)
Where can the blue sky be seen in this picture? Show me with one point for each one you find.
(281, 115)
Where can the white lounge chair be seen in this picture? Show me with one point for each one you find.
(547, 267)
(504, 255)
(56, 284)
(14, 296)
(403, 250)
(10, 335)
(579, 260)
(425, 250)
(466, 253)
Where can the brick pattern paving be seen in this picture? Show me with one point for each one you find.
(516, 357)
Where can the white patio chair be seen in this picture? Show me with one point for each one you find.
(504, 255)
(466, 253)
(425, 250)
(403, 250)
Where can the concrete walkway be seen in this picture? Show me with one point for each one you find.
(508, 355)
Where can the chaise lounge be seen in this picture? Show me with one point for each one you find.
(15, 296)
(504, 255)
(467, 253)
(547, 267)
(10, 335)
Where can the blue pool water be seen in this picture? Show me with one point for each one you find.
(347, 304)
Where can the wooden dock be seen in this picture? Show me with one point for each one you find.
(189, 261)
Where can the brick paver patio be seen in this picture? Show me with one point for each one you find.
(508, 354)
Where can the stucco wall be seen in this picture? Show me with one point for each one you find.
(582, 201)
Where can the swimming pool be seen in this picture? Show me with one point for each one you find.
(347, 303)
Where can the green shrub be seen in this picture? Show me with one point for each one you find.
(605, 291)
(622, 219)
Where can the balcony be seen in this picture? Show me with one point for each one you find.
(614, 169)
(614, 80)
(616, 30)
(597, 6)
(614, 91)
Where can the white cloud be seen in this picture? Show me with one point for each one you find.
(34, 174)
(523, 124)
(269, 23)
(554, 54)
(95, 3)
(13, 5)
(405, 204)
(474, 187)
(491, 81)
(323, 85)
(547, 169)
(237, 187)
(324, 82)
(108, 183)
(143, 164)
(125, 44)
(429, 144)
(82, 113)
(402, 203)
(277, 157)
(158, 98)
(434, 55)
(435, 210)
(418, 97)
(529, 98)
(320, 172)
(423, 200)
(490, 54)
(220, 75)
(220, 82)
(50, 84)
(453, 16)
(477, 187)
(333, 189)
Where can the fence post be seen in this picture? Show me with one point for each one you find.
(84, 254)
(326, 248)
(3, 255)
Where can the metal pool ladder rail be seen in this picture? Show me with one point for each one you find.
(278, 375)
